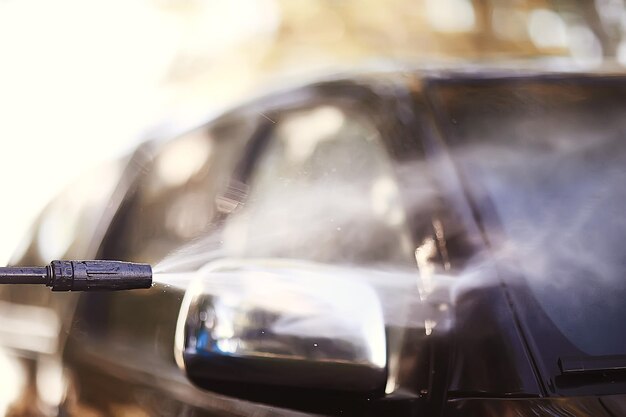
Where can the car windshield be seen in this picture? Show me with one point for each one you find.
(549, 158)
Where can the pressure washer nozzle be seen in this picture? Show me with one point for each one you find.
(82, 275)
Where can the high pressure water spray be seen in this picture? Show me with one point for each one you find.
(82, 275)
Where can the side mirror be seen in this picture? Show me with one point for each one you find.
(286, 333)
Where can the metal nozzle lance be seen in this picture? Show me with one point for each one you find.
(82, 275)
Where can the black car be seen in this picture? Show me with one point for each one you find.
(432, 243)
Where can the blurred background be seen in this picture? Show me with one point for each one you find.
(83, 81)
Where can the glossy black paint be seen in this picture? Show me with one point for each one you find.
(490, 356)
(548, 407)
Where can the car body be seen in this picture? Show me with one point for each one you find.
(498, 190)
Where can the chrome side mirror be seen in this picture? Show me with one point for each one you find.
(250, 325)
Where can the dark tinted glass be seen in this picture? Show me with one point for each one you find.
(549, 158)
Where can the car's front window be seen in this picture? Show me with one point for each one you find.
(549, 158)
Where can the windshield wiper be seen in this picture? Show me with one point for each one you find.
(592, 364)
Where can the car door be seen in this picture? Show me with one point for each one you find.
(320, 174)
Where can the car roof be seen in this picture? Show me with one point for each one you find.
(284, 90)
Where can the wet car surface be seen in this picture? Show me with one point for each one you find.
(488, 207)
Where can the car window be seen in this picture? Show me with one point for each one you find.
(549, 158)
(176, 199)
(323, 189)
